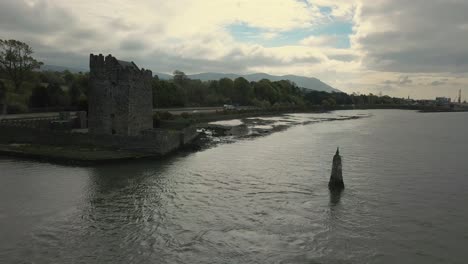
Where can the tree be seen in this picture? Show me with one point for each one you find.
(265, 91)
(82, 80)
(180, 77)
(3, 92)
(242, 91)
(39, 97)
(68, 77)
(226, 87)
(167, 94)
(57, 96)
(325, 103)
(16, 61)
(74, 93)
(50, 96)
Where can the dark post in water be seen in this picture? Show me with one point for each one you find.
(336, 178)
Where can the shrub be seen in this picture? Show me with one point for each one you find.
(82, 103)
(165, 115)
(185, 115)
(16, 108)
(156, 120)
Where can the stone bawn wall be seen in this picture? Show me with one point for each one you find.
(157, 141)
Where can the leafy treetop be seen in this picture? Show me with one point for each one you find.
(16, 61)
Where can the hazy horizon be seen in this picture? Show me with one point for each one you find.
(399, 48)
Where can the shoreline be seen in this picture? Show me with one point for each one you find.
(254, 124)
(232, 130)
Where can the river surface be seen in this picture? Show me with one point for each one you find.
(255, 200)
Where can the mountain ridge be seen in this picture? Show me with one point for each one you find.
(301, 81)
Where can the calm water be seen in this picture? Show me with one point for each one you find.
(262, 200)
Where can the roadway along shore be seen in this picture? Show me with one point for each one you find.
(173, 111)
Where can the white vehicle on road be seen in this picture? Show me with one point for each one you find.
(229, 107)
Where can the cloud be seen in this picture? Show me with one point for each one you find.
(340, 9)
(437, 83)
(408, 45)
(269, 35)
(320, 41)
(132, 44)
(413, 36)
(402, 80)
(165, 36)
(35, 17)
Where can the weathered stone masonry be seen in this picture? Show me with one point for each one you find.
(156, 141)
(120, 100)
(336, 178)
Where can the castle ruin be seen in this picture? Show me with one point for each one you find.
(120, 97)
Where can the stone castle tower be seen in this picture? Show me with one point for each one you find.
(120, 97)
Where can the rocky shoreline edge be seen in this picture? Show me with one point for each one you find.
(210, 135)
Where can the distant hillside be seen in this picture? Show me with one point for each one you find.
(301, 81)
(163, 76)
(55, 68)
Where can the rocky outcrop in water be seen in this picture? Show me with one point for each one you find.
(336, 178)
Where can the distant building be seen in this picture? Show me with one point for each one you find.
(120, 97)
(425, 102)
(443, 101)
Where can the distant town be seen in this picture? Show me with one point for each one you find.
(442, 102)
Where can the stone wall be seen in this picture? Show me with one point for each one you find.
(189, 134)
(61, 121)
(140, 114)
(157, 141)
(99, 105)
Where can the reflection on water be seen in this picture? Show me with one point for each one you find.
(335, 197)
(262, 200)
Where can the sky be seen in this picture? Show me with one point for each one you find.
(416, 48)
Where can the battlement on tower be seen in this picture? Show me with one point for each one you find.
(113, 68)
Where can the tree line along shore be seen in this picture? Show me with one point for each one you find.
(25, 88)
